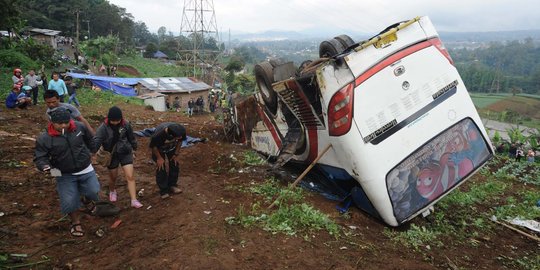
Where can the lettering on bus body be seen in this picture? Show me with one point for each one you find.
(435, 168)
(262, 142)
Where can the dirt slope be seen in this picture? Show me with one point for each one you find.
(188, 231)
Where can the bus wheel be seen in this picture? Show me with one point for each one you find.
(330, 48)
(276, 62)
(264, 77)
(345, 40)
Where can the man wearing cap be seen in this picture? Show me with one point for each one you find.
(64, 150)
(165, 145)
(53, 101)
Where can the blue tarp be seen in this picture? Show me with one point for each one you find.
(120, 86)
(128, 81)
(126, 90)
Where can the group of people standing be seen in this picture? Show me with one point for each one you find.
(65, 151)
(196, 106)
(516, 151)
(25, 89)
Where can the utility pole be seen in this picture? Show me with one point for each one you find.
(88, 27)
(77, 31)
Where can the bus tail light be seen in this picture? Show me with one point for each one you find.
(438, 44)
(340, 111)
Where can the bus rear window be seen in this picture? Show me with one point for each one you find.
(435, 168)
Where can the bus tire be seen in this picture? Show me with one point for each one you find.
(330, 48)
(276, 62)
(345, 40)
(264, 78)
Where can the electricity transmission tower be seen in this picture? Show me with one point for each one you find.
(496, 83)
(199, 26)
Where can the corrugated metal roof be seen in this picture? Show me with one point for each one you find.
(47, 32)
(171, 84)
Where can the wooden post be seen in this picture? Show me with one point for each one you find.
(518, 231)
(306, 171)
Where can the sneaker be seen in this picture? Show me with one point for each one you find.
(176, 190)
(165, 196)
(112, 196)
(136, 204)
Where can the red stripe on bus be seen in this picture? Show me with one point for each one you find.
(390, 60)
(269, 125)
(313, 144)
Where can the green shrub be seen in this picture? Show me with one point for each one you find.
(14, 59)
(417, 237)
(290, 215)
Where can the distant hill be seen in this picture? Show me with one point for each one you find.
(313, 34)
(321, 34)
(490, 36)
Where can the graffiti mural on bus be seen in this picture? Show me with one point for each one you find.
(436, 167)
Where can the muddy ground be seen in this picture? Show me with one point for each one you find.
(189, 231)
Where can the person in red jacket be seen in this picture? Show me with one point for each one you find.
(64, 150)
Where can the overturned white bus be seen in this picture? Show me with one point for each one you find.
(393, 108)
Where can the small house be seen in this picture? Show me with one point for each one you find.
(182, 87)
(156, 100)
(44, 36)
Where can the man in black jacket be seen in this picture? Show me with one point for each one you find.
(64, 151)
(165, 145)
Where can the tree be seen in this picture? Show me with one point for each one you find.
(104, 17)
(141, 35)
(243, 83)
(512, 65)
(169, 46)
(235, 64)
(103, 48)
(151, 48)
(10, 15)
(161, 33)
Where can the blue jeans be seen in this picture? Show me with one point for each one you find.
(70, 188)
(73, 98)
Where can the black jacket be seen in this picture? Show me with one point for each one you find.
(70, 153)
(161, 140)
(126, 139)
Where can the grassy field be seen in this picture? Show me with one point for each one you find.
(481, 100)
(155, 68)
(521, 109)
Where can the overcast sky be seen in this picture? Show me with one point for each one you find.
(241, 16)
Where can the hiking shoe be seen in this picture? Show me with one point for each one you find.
(136, 204)
(113, 196)
(176, 190)
(165, 196)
